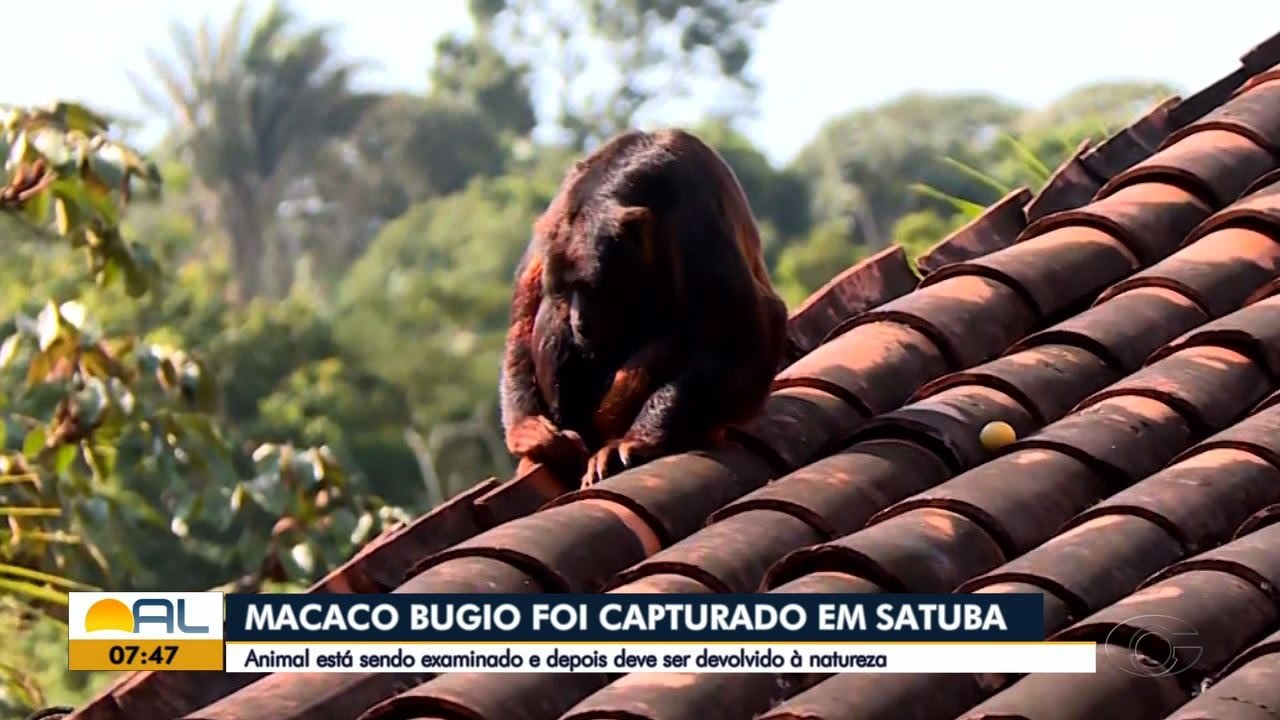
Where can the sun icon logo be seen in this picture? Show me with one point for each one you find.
(108, 614)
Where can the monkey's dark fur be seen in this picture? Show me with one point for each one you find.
(643, 320)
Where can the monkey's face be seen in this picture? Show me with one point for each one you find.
(583, 308)
(586, 319)
(595, 289)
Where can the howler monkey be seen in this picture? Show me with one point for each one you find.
(643, 320)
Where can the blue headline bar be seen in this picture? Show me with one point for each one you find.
(604, 618)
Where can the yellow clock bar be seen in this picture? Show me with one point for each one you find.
(145, 655)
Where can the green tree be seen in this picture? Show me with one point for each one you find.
(438, 280)
(475, 72)
(918, 231)
(1106, 106)
(110, 441)
(862, 165)
(406, 149)
(254, 107)
(644, 49)
(809, 262)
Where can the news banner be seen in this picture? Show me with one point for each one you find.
(764, 633)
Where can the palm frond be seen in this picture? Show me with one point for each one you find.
(968, 208)
(976, 174)
(33, 591)
(1029, 160)
(42, 577)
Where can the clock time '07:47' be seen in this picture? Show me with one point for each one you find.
(148, 654)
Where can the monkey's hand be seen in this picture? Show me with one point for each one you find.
(618, 455)
(538, 438)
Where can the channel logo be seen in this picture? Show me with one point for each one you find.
(145, 631)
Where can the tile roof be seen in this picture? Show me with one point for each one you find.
(1125, 321)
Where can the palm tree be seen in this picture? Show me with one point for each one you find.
(252, 108)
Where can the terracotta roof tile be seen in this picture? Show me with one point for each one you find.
(900, 696)
(1254, 114)
(731, 555)
(1124, 321)
(686, 696)
(1214, 165)
(970, 318)
(467, 696)
(996, 228)
(1125, 329)
(798, 425)
(1132, 144)
(838, 494)
(1073, 184)
(1226, 611)
(1250, 693)
(872, 367)
(925, 549)
(674, 495)
(1120, 690)
(1269, 645)
(878, 279)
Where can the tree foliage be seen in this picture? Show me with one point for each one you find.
(254, 108)
(608, 61)
(110, 442)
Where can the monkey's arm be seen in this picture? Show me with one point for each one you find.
(654, 365)
(528, 430)
(723, 383)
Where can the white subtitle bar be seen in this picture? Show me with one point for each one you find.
(640, 657)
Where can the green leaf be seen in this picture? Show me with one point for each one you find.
(109, 166)
(967, 208)
(33, 591)
(237, 497)
(48, 325)
(18, 153)
(977, 175)
(99, 198)
(363, 528)
(1028, 157)
(142, 270)
(33, 444)
(62, 460)
(66, 214)
(36, 207)
(136, 504)
(109, 273)
(304, 557)
(101, 461)
(9, 349)
(52, 144)
(73, 312)
(94, 362)
(135, 281)
(78, 117)
(264, 451)
(304, 471)
(41, 365)
(14, 511)
(29, 574)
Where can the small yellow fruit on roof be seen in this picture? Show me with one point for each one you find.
(996, 435)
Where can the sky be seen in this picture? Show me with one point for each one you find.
(815, 59)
